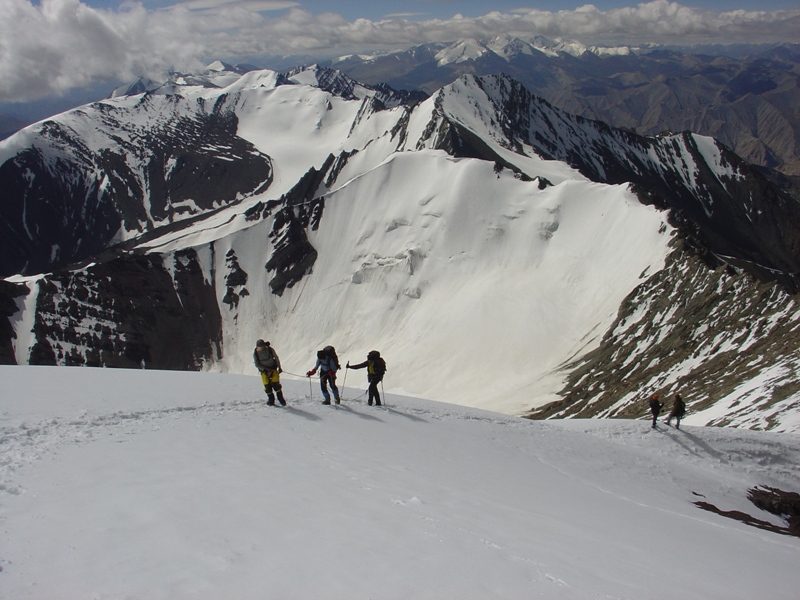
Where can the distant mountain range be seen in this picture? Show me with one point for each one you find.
(501, 252)
(750, 104)
(744, 95)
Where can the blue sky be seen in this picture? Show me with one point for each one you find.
(48, 47)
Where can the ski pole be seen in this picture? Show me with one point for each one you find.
(383, 393)
(344, 381)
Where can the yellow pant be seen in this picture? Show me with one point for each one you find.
(270, 377)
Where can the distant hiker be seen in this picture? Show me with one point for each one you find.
(678, 410)
(655, 408)
(269, 365)
(376, 368)
(327, 364)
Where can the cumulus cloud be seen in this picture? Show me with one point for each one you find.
(48, 48)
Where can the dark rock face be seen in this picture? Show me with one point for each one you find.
(137, 168)
(298, 210)
(235, 281)
(129, 312)
(777, 502)
(781, 503)
(53, 218)
(9, 294)
(294, 255)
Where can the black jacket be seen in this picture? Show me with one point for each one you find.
(375, 369)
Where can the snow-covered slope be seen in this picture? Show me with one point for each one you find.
(473, 285)
(142, 484)
(481, 239)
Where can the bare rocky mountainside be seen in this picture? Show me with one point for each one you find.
(579, 266)
(710, 333)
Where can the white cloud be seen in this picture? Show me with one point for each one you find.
(61, 44)
(252, 5)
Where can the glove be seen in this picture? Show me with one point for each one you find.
(311, 372)
(331, 374)
(280, 370)
(347, 366)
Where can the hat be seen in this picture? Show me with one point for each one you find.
(261, 343)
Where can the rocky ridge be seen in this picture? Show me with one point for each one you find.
(707, 334)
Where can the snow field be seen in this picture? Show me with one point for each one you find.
(443, 253)
(143, 484)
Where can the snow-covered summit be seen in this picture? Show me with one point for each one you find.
(461, 51)
(509, 48)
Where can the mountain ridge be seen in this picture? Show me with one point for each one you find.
(748, 103)
(362, 234)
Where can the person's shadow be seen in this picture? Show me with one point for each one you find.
(302, 413)
(404, 414)
(359, 414)
(698, 443)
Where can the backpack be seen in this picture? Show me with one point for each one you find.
(268, 362)
(331, 353)
(271, 362)
(378, 364)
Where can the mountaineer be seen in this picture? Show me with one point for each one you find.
(269, 365)
(327, 364)
(376, 368)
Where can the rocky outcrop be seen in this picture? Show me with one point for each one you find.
(91, 175)
(10, 293)
(134, 311)
(704, 333)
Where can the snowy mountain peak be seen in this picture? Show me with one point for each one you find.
(339, 84)
(140, 86)
(218, 65)
(509, 47)
(461, 51)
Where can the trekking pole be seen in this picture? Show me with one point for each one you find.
(344, 381)
(383, 393)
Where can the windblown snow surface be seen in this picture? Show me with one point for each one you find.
(158, 485)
